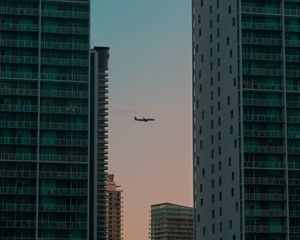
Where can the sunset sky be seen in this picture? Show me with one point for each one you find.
(150, 76)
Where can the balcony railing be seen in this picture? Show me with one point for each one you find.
(19, 43)
(16, 224)
(19, 59)
(63, 191)
(265, 229)
(65, 45)
(264, 181)
(15, 207)
(63, 158)
(264, 213)
(65, 77)
(264, 118)
(292, 58)
(21, 75)
(262, 41)
(17, 157)
(294, 182)
(64, 126)
(292, 28)
(294, 165)
(262, 86)
(18, 140)
(294, 150)
(17, 174)
(17, 108)
(265, 197)
(263, 102)
(265, 10)
(262, 71)
(294, 87)
(293, 119)
(264, 133)
(18, 190)
(293, 134)
(292, 12)
(65, 30)
(263, 149)
(19, 27)
(262, 57)
(293, 104)
(19, 11)
(63, 208)
(18, 92)
(263, 164)
(64, 61)
(64, 142)
(261, 26)
(294, 213)
(62, 225)
(18, 124)
(292, 43)
(64, 110)
(65, 14)
(64, 94)
(63, 175)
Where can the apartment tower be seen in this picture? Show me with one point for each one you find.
(48, 186)
(171, 221)
(246, 119)
(114, 210)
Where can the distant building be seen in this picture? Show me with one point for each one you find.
(171, 221)
(114, 207)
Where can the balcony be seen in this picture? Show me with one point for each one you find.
(294, 229)
(17, 157)
(264, 149)
(294, 213)
(18, 124)
(264, 10)
(19, 75)
(263, 164)
(264, 213)
(293, 104)
(63, 158)
(294, 165)
(63, 208)
(63, 191)
(17, 108)
(292, 28)
(293, 73)
(65, 45)
(262, 41)
(293, 134)
(292, 43)
(294, 197)
(262, 72)
(62, 225)
(65, 30)
(17, 191)
(291, 87)
(261, 26)
(19, 11)
(14, 207)
(264, 133)
(18, 91)
(18, 141)
(294, 181)
(63, 142)
(265, 197)
(63, 175)
(19, 27)
(65, 14)
(64, 126)
(292, 12)
(293, 119)
(265, 229)
(64, 61)
(64, 77)
(7, 224)
(262, 86)
(19, 43)
(17, 174)
(263, 118)
(64, 94)
(294, 150)
(64, 110)
(262, 57)
(19, 59)
(264, 181)
(292, 58)
(263, 102)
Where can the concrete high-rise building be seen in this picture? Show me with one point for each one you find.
(52, 166)
(114, 210)
(171, 221)
(246, 119)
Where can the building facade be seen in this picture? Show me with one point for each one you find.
(47, 190)
(171, 221)
(114, 210)
(246, 108)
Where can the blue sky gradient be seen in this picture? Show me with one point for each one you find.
(150, 75)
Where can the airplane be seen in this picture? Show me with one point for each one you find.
(144, 119)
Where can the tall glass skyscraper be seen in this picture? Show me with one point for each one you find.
(246, 119)
(48, 186)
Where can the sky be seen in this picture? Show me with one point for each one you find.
(149, 76)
